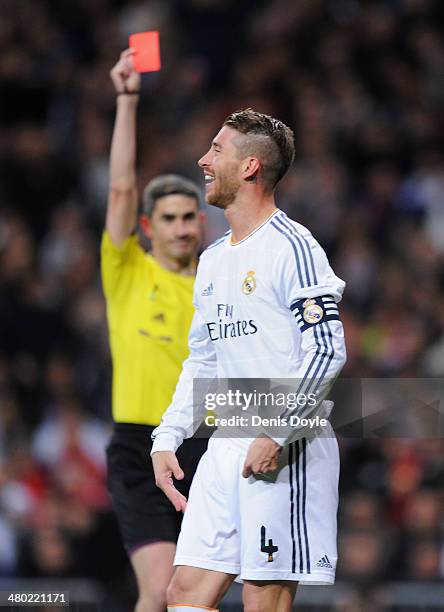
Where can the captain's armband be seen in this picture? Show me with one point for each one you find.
(313, 311)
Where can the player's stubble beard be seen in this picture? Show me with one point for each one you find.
(225, 189)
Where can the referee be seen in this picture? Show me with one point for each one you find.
(149, 310)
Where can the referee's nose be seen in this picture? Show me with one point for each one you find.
(181, 228)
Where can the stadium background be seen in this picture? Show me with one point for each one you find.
(361, 82)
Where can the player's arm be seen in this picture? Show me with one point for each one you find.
(324, 355)
(183, 416)
(315, 311)
(121, 214)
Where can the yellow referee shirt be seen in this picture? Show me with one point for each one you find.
(149, 315)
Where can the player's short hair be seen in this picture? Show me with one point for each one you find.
(168, 184)
(267, 138)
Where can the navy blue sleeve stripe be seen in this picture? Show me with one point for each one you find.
(318, 354)
(284, 219)
(285, 222)
(325, 356)
(324, 363)
(296, 238)
(321, 354)
(329, 358)
(298, 264)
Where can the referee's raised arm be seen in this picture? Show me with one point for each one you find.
(121, 215)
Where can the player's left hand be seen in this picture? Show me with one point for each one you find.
(262, 456)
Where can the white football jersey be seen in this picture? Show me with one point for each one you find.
(266, 307)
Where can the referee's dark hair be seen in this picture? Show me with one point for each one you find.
(164, 185)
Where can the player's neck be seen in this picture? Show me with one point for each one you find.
(186, 267)
(246, 215)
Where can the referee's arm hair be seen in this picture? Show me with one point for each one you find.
(121, 214)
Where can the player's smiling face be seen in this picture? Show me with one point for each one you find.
(221, 169)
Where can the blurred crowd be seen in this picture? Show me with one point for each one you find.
(362, 84)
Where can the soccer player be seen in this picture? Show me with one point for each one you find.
(262, 509)
(149, 308)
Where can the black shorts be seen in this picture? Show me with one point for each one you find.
(143, 511)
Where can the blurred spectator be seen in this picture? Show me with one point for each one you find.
(423, 515)
(364, 557)
(361, 510)
(365, 601)
(423, 561)
(49, 555)
(71, 446)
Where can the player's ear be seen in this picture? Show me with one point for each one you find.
(146, 225)
(250, 169)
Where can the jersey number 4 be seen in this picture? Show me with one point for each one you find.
(269, 548)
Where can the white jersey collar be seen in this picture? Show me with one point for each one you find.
(235, 244)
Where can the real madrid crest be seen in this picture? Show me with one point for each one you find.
(313, 313)
(249, 284)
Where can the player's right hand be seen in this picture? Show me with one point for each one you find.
(123, 74)
(165, 467)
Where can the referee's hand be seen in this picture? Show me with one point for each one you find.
(124, 76)
(165, 467)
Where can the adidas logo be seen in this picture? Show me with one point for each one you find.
(324, 562)
(208, 290)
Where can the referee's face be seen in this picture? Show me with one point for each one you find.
(174, 228)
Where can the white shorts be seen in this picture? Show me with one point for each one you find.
(283, 528)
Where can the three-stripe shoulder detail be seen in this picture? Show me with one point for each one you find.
(218, 241)
(301, 249)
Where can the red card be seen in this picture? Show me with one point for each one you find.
(146, 57)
